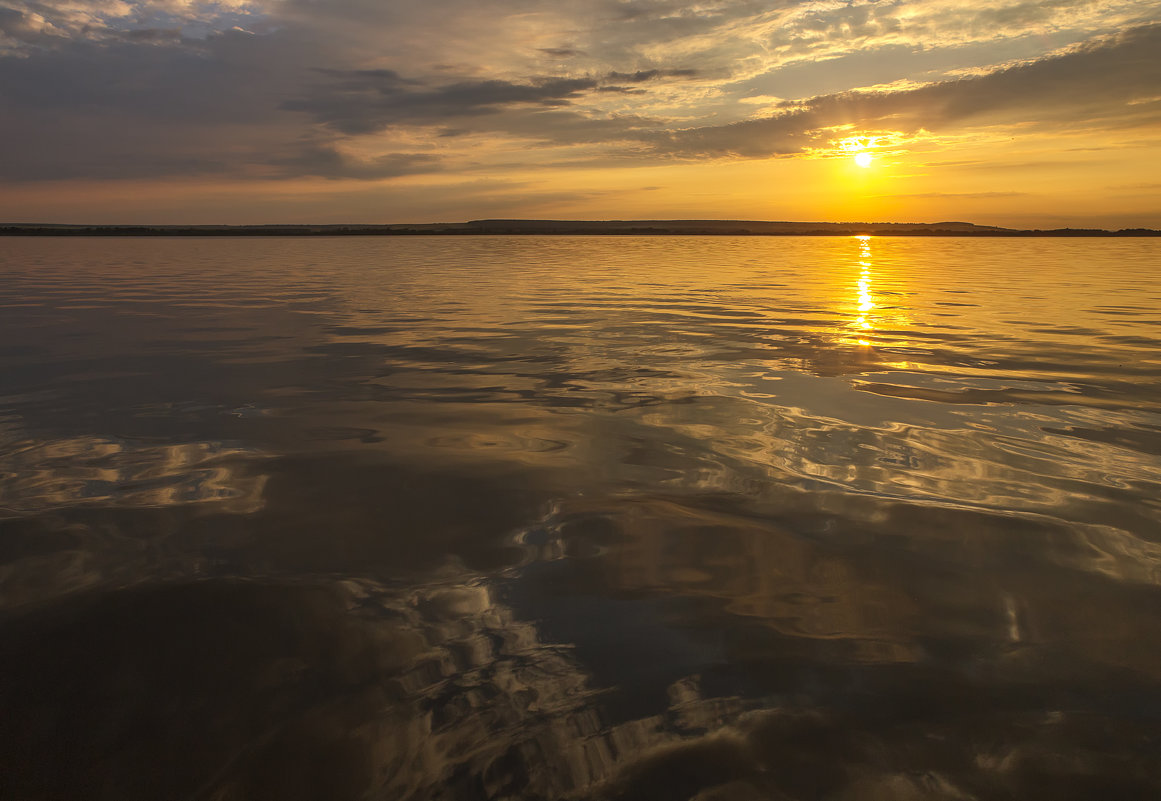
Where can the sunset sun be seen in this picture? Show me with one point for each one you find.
(863, 159)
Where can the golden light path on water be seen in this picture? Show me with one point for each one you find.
(878, 314)
(866, 302)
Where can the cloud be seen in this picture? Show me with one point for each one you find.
(1089, 86)
(560, 52)
(815, 31)
(369, 90)
(364, 101)
(956, 195)
(1147, 185)
(325, 160)
(641, 76)
(42, 24)
(354, 107)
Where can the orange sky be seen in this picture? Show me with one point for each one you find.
(182, 111)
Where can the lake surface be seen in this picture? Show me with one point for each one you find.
(592, 517)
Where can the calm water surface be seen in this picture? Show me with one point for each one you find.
(609, 518)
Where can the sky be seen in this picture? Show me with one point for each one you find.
(1001, 112)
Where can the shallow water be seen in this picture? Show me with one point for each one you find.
(595, 517)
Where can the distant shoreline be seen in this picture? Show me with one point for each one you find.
(574, 228)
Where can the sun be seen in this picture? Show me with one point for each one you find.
(863, 159)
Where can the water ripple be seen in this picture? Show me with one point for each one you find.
(610, 518)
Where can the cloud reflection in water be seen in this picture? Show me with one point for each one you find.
(479, 518)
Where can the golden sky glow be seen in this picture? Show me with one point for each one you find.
(998, 112)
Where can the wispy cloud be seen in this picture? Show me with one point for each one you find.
(1089, 86)
(957, 195)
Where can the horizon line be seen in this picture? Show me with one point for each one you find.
(549, 226)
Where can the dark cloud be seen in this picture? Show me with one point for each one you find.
(561, 52)
(107, 162)
(167, 35)
(128, 108)
(229, 78)
(621, 90)
(327, 161)
(355, 80)
(351, 106)
(641, 76)
(125, 110)
(365, 101)
(147, 104)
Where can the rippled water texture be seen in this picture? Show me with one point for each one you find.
(613, 518)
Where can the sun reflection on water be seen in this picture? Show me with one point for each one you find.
(866, 300)
(878, 316)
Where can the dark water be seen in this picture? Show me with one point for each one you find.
(657, 518)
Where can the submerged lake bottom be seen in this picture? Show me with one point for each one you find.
(580, 518)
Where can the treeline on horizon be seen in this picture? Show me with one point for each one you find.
(546, 228)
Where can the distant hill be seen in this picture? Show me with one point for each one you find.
(567, 227)
(734, 227)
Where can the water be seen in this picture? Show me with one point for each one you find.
(596, 517)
